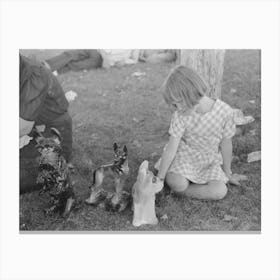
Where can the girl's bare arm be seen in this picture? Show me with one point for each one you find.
(226, 150)
(168, 156)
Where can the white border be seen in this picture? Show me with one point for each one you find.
(200, 24)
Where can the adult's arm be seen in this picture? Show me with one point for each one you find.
(34, 87)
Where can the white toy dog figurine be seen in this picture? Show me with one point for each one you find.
(143, 193)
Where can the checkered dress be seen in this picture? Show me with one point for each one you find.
(198, 157)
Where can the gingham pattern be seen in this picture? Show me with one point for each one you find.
(198, 158)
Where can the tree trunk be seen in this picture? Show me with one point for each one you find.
(209, 64)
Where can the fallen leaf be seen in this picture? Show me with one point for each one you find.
(232, 90)
(254, 156)
(252, 101)
(229, 218)
(164, 217)
(138, 74)
(70, 95)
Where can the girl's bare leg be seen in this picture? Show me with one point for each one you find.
(214, 190)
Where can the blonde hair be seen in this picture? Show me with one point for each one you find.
(185, 86)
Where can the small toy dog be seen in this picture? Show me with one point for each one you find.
(54, 174)
(119, 169)
(143, 193)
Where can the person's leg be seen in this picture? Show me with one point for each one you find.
(85, 64)
(214, 190)
(28, 168)
(59, 62)
(29, 154)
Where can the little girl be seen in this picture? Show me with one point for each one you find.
(196, 161)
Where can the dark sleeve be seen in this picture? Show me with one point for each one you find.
(33, 92)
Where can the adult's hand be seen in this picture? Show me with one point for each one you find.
(25, 127)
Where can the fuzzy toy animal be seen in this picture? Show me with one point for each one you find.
(54, 174)
(143, 193)
(119, 170)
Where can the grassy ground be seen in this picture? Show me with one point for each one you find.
(112, 105)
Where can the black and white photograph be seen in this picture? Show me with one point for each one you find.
(140, 139)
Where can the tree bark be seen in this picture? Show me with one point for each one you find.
(209, 64)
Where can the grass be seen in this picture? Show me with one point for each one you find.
(112, 105)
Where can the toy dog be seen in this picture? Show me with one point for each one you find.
(143, 193)
(54, 174)
(119, 169)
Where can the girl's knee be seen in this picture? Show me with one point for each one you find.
(176, 182)
(218, 190)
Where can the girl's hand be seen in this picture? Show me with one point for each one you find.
(158, 182)
(234, 179)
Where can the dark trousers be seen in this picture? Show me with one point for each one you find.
(29, 155)
(75, 60)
